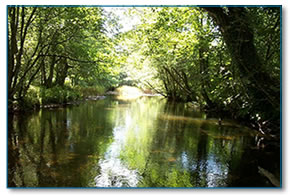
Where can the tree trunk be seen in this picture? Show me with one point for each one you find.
(19, 23)
(62, 72)
(239, 39)
(204, 78)
(12, 47)
(49, 81)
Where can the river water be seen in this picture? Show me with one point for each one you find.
(145, 142)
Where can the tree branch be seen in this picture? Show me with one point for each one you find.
(70, 58)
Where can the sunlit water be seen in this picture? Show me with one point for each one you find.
(145, 142)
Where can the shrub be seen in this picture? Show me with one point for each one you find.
(91, 90)
(31, 99)
(37, 96)
(58, 95)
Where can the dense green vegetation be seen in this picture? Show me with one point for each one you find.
(226, 60)
(58, 54)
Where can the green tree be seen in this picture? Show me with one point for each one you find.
(238, 33)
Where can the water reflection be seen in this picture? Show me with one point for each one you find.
(117, 164)
(57, 148)
(142, 143)
(113, 172)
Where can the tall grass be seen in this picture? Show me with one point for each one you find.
(87, 91)
(40, 96)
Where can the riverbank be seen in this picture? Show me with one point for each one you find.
(57, 97)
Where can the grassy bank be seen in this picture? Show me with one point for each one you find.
(38, 97)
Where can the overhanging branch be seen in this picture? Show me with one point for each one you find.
(70, 58)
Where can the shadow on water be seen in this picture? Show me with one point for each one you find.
(145, 142)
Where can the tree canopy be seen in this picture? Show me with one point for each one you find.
(226, 60)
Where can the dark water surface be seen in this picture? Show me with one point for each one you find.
(142, 143)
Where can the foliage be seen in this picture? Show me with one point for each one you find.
(225, 59)
(31, 100)
(51, 45)
(58, 95)
(195, 55)
(90, 90)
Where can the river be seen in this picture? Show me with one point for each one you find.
(144, 142)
